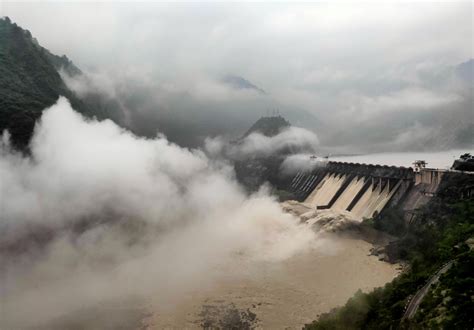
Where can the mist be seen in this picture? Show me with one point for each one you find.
(301, 162)
(380, 64)
(126, 217)
(288, 140)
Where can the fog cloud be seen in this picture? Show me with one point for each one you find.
(157, 220)
(288, 140)
(301, 163)
(383, 65)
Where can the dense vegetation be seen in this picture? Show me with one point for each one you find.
(464, 163)
(30, 82)
(442, 231)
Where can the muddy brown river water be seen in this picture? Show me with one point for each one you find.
(283, 295)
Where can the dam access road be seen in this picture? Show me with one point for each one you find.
(418, 297)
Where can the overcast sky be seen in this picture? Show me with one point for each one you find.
(341, 62)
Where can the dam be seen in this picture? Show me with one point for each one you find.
(364, 190)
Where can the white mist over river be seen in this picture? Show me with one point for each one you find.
(440, 159)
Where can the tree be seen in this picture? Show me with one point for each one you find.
(466, 156)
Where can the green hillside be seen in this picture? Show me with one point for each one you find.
(29, 82)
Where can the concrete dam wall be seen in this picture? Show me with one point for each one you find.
(364, 191)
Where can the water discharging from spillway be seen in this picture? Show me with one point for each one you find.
(357, 195)
(324, 192)
(349, 194)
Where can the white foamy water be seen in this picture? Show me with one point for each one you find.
(441, 159)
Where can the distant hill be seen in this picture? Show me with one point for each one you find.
(268, 126)
(465, 70)
(241, 83)
(30, 82)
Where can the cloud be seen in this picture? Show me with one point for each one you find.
(291, 139)
(126, 216)
(91, 83)
(295, 138)
(327, 62)
(301, 163)
(408, 100)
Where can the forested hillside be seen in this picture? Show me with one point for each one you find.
(30, 82)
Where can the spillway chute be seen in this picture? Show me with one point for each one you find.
(364, 190)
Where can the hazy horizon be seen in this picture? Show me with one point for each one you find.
(371, 77)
